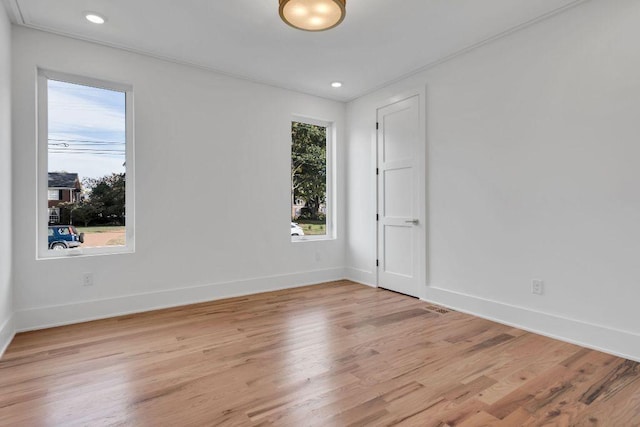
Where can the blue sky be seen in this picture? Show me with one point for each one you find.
(87, 128)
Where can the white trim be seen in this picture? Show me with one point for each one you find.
(84, 80)
(46, 317)
(618, 342)
(311, 238)
(7, 332)
(13, 11)
(421, 167)
(374, 203)
(50, 30)
(42, 180)
(57, 196)
(301, 118)
(470, 48)
(26, 22)
(364, 277)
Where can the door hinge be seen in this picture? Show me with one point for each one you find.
(377, 217)
(377, 171)
(377, 125)
(377, 263)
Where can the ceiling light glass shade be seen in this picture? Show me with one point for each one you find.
(94, 18)
(313, 15)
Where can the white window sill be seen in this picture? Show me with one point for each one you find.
(85, 252)
(300, 239)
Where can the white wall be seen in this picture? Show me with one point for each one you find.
(532, 152)
(533, 172)
(6, 298)
(212, 189)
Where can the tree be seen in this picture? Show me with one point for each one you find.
(309, 166)
(106, 198)
(104, 202)
(83, 212)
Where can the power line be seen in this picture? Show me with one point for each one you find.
(112, 152)
(86, 140)
(68, 149)
(115, 153)
(62, 150)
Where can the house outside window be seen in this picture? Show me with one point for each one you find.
(64, 189)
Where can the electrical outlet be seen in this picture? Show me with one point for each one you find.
(537, 287)
(87, 279)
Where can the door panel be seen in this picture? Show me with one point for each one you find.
(401, 196)
(399, 134)
(398, 187)
(396, 262)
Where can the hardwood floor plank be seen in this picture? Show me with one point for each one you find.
(621, 374)
(480, 419)
(336, 354)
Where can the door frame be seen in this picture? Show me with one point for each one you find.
(422, 168)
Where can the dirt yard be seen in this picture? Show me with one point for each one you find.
(114, 238)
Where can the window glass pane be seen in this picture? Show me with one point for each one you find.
(54, 216)
(86, 165)
(308, 179)
(54, 194)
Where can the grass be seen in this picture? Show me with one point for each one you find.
(313, 228)
(101, 229)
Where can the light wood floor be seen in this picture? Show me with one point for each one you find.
(337, 354)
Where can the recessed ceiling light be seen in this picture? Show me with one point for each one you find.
(94, 18)
(336, 84)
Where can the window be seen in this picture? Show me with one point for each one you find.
(54, 215)
(311, 180)
(85, 157)
(54, 195)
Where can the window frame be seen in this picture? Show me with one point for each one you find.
(52, 215)
(57, 196)
(42, 217)
(330, 164)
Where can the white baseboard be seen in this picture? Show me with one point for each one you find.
(621, 343)
(614, 341)
(363, 277)
(7, 332)
(59, 315)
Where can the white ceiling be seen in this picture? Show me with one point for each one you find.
(379, 41)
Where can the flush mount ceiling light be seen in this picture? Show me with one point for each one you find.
(313, 15)
(94, 18)
(336, 84)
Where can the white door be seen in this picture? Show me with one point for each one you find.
(401, 197)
